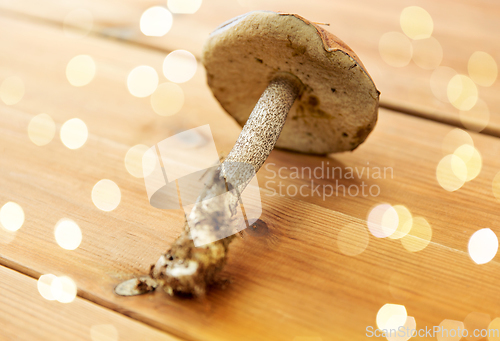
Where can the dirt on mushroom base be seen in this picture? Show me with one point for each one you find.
(190, 270)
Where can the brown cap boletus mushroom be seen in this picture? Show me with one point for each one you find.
(298, 69)
(264, 67)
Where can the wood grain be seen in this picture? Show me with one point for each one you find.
(461, 28)
(26, 315)
(289, 281)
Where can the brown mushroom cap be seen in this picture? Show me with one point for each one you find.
(338, 106)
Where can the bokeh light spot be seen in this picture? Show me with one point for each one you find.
(134, 159)
(80, 70)
(44, 285)
(383, 221)
(168, 99)
(416, 22)
(447, 170)
(12, 90)
(439, 81)
(142, 81)
(106, 195)
(475, 321)
(391, 316)
(494, 326)
(483, 246)
(156, 21)
(450, 330)
(184, 6)
(459, 168)
(395, 49)
(353, 239)
(427, 53)
(11, 216)
(405, 222)
(68, 234)
(419, 236)
(103, 332)
(472, 159)
(408, 327)
(78, 23)
(149, 160)
(454, 139)
(477, 118)
(41, 129)
(179, 66)
(483, 69)
(63, 289)
(74, 133)
(462, 92)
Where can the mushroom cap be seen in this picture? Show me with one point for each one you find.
(338, 105)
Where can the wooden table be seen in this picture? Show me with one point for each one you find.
(293, 282)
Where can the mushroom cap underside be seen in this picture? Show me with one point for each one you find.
(338, 105)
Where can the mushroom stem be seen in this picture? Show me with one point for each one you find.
(186, 268)
(263, 127)
(214, 219)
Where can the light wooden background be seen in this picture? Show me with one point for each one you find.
(290, 284)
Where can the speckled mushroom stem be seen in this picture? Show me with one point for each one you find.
(263, 127)
(186, 268)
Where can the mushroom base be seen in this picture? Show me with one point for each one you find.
(189, 270)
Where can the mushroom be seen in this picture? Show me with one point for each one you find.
(264, 67)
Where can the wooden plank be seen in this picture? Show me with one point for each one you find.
(461, 28)
(26, 315)
(288, 282)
